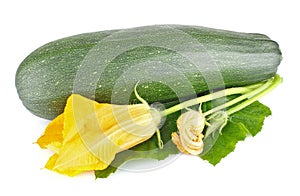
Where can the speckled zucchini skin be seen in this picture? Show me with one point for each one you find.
(171, 62)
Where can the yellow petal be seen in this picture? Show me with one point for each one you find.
(52, 137)
(74, 157)
(176, 140)
(93, 133)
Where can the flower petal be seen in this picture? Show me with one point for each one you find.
(190, 126)
(52, 138)
(94, 132)
(74, 157)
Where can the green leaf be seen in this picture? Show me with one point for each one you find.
(252, 117)
(239, 125)
(231, 134)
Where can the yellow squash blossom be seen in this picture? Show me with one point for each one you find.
(88, 135)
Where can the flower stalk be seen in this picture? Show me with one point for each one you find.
(249, 93)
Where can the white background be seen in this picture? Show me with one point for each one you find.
(267, 164)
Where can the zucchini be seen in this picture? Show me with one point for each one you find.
(171, 63)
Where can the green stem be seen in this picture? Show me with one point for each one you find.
(159, 140)
(205, 98)
(240, 98)
(251, 92)
(277, 80)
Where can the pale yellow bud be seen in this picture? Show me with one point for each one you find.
(190, 126)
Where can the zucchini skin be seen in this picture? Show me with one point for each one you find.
(171, 62)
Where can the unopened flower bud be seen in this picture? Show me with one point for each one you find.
(190, 126)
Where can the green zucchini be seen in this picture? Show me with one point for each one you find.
(171, 63)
